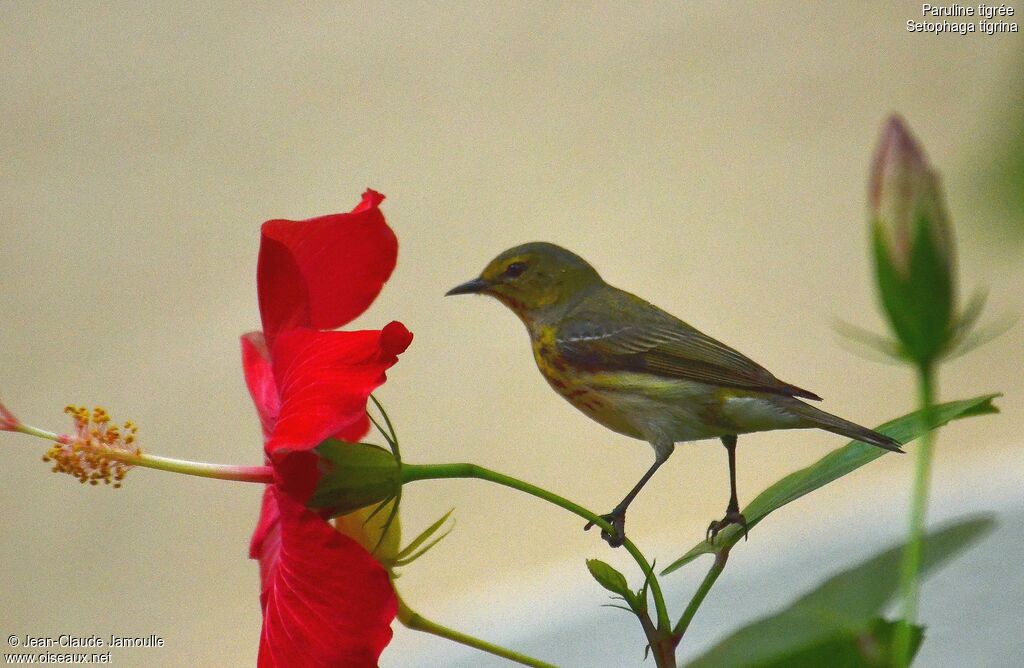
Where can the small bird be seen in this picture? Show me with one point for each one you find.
(642, 372)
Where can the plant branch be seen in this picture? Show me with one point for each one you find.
(716, 569)
(910, 567)
(413, 620)
(412, 472)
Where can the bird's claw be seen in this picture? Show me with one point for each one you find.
(618, 522)
(731, 517)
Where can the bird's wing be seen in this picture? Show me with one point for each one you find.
(643, 338)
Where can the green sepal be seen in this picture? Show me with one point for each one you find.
(410, 554)
(354, 475)
(932, 288)
(891, 289)
(918, 299)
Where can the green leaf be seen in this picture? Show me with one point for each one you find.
(356, 475)
(609, 578)
(833, 466)
(409, 553)
(842, 608)
(999, 179)
(847, 649)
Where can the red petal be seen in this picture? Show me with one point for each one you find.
(259, 378)
(371, 200)
(266, 537)
(323, 272)
(326, 601)
(324, 379)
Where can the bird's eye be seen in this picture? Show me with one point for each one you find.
(514, 270)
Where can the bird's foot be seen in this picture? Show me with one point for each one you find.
(618, 522)
(731, 517)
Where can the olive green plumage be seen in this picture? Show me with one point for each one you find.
(639, 370)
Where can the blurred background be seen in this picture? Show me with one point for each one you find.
(711, 158)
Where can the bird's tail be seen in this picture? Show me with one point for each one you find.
(837, 425)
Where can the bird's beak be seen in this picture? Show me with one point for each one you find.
(477, 285)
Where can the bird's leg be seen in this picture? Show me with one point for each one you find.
(617, 518)
(732, 511)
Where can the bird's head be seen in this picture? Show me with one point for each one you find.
(534, 278)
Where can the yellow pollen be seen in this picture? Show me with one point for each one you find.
(89, 453)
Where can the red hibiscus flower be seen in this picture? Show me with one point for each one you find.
(326, 601)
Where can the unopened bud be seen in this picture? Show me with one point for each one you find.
(912, 243)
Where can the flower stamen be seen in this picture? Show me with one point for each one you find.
(90, 453)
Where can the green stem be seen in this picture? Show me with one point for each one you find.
(260, 474)
(413, 620)
(702, 591)
(413, 472)
(909, 581)
(662, 644)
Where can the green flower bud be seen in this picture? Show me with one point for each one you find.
(912, 245)
(355, 475)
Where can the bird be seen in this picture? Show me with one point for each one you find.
(642, 372)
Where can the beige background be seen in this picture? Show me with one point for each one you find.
(709, 157)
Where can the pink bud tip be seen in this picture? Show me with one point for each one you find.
(7, 420)
(898, 154)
